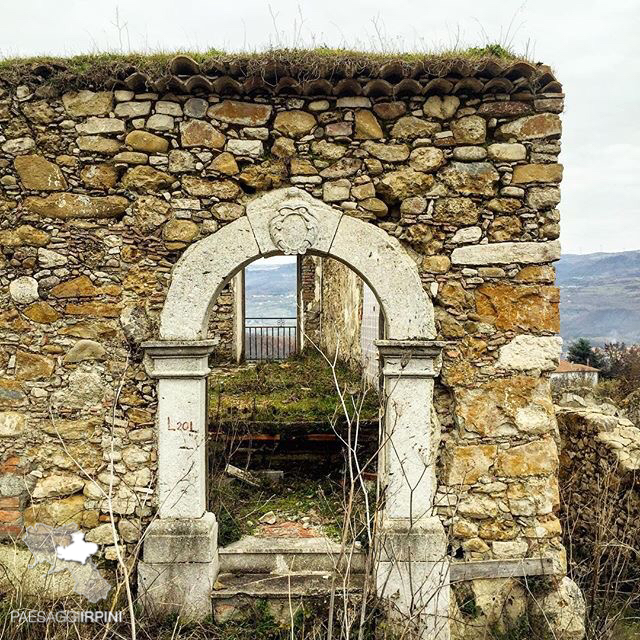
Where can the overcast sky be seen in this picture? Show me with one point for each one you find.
(593, 45)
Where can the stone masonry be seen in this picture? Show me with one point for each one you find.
(101, 191)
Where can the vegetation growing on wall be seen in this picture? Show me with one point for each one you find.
(101, 69)
(300, 389)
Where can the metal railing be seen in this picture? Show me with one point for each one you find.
(272, 341)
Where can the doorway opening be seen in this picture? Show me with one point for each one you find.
(284, 422)
(292, 221)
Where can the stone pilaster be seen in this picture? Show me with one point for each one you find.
(413, 570)
(179, 567)
(180, 552)
(181, 369)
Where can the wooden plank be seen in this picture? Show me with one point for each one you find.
(518, 567)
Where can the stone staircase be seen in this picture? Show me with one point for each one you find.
(283, 573)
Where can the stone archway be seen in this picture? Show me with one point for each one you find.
(180, 550)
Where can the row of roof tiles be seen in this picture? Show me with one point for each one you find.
(396, 78)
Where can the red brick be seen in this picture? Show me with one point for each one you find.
(10, 465)
(10, 530)
(11, 517)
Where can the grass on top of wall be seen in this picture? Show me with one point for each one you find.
(100, 69)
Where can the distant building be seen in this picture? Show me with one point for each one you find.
(569, 374)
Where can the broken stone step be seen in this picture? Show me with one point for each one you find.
(236, 595)
(282, 555)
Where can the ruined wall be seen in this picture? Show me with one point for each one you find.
(341, 311)
(600, 483)
(221, 325)
(310, 299)
(331, 295)
(101, 192)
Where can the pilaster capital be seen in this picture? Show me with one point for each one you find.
(410, 358)
(178, 358)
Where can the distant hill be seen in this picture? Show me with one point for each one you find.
(600, 297)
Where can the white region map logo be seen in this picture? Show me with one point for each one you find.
(64, 548)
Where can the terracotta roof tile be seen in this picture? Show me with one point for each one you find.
(564, 366)
(313, 75)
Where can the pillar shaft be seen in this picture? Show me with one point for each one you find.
(180, 553)
(409, 443)
(181, 370)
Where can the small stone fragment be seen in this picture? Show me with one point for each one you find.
(389, 110)
(426, 159)
(100, 176)
(244, 113)
(294, 123)
(198, 133)
(181, 161)
(87, 103)
(180, 231)
(470, 178)
(469, 130)
(85, 350)
(42, 312)
(411, 127)
(441, 107)
(387, 152)
(398, 185)
(94, 126)
(268, 518)
(160, 122)
(196, 108)
(98, 144)
(283, 148)
(527, 173)
(375, 206)
(33, 366)
(147, 142)
(507, 152)
(336, 190)
(367, 126)
(225, 163)
(149, 212)
(227, 211)
(24, 235)
(534, 127)
(251, 148)
(144, 179)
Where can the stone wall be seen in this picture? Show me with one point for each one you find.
(221, 325)
(101, 192)
(310, 299)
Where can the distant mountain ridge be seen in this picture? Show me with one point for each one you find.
(271, 291)
(600, 296)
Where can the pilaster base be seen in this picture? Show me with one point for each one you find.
(416, 597)
(179, 567)
(412, 578)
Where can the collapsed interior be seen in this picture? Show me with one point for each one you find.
(294, 406)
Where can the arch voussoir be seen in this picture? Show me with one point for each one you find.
(291, 221)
